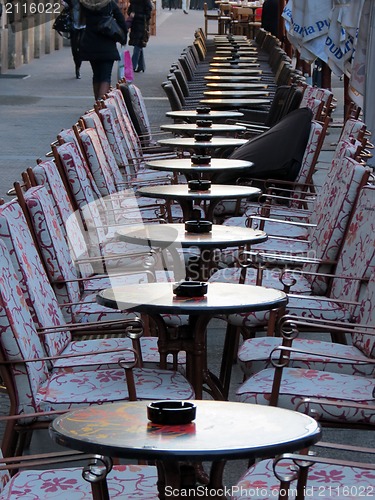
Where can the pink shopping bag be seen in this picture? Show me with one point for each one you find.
(128, 67)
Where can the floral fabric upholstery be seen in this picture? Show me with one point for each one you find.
(140, 108)
(38, 390)
(130, 482)
(323, 481)
(253, 356)
(69, 221)
(308, 163)
(356, 260)
(297, 384)
(34, 282)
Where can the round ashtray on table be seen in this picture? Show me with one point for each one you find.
(200, 159)
(198, 226)
(190, 289)
(202, 137)
(204, 123)
(199, 185)
(171, 412)
(203, 110)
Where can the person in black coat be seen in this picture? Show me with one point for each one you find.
(98, 49)
(140, 13)
(76, 32)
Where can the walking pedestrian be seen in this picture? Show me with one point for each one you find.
(140, 11)
(76, 32)
(99, 49)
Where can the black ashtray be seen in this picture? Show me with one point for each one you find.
(190, 288)
(171, 412)
(199, 185)
(203, 110)
(198, 227)
(200, 159)
(202, 137)
(204, 123)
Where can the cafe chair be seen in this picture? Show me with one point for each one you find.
(289, 387)
(355, 263)
(325, 231)
(340, 468)
(209, 16)
(44, 476)
(301, 185)
(34, 388)
(79, 292)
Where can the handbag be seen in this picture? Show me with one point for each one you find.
(108, 26)
(63, 23)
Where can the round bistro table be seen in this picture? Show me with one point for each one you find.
(221, 431)
(156, 299)
(189, 129)
(188, 198)
(203, 147)
(235, 102)
(201, 171)
(191, 114)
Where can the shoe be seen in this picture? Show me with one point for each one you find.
(139, 70)
(186, 12)
(78, 74)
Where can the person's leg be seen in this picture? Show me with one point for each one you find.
(135, 57)
(102, 71)
(141, 62)
(75, 36)
(184, 6)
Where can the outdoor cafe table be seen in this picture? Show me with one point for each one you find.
(235, 71)
(201, 171)
(232, 78)
(187, 198)
(156, 299)
(203, 147)
(189, 129)
(237, 85)
(191, 114)
(163, 236)
(235, 103)
(221, 431)
(236, 93)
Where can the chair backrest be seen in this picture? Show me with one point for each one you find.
(332, 214)
(92, 208)
(18, 341)
(311, 153)
(172, 95)
(366, 316)
(113, 133)
(70, 222)
(135, 104)
(100, 158)
(357, 254)
(33, 281)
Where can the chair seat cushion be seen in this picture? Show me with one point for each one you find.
(149, 348)
(63, 389)
(324, 481)
(253, 356)
(298, 384)
(129, 482)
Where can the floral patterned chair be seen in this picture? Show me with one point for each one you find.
(288, 387)
(355, 265)
(83, 308)
(91, 210)
(317, 476)
(42, 481)
(314, 143)
(34, 388)
(325, 239)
